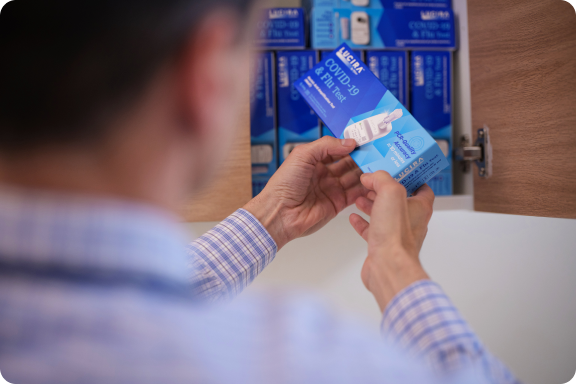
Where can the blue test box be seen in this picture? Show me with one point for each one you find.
(368, 28)
(323, 54)
(431, 101)
(432, 92)
(281, 28)
(353, 103)
(297, 123)
(377, 4)
(391, 67)
(263, 121)
(442, 184)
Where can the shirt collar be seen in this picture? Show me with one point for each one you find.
(89, 232)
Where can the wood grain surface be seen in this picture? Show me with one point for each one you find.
(523, 84)
(231, 187)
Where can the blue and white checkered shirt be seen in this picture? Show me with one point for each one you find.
(96, 291)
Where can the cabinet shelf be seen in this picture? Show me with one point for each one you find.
(519, 85)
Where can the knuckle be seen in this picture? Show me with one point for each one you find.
(397, 190)
(382, 176)
(382, 180)
(327, 139)
(299, 150)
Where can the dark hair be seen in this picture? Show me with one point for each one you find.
(68, 67)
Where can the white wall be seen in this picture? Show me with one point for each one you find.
(512, 278)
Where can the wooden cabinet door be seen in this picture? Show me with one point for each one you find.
(231, 187)
(523, 84)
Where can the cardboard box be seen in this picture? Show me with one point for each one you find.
(391, 67)
(297, 123)
(382, 28)
(281, 28)
(323, 54)
(431, 98)
(263, 121)
(442, 184)
(432, 104)
(378, 4)
(353, 103)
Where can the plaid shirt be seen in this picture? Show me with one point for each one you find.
(95, 291)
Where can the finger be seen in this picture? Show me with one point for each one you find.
(390, 210)
(325, 148)
(424, 193)
(421, 207)
(376, 180)
(371, 195)
(354, 193)
(365, 205)
(350, 179)
(343, 166)
(333, 159)
(360, 225)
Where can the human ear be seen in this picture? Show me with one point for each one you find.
(203, 71)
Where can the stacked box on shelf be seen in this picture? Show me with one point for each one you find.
(281, 28)
(391, 67)
(432, 106)
(264, 147)
(360, 54)
(297, 123)
(378, 4)
(369, 28)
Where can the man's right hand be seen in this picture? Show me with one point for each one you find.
(395, 234)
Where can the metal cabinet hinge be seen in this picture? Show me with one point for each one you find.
(480, 153)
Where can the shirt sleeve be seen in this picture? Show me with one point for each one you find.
(227, 259)
(423, 321)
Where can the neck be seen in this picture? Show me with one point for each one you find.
(73, 170)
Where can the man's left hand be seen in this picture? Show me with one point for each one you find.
(315, 183)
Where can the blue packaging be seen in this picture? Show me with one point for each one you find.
(441, 184)
(391, 67)
(378, 4)
(263, 121)
(297, 123)
(382, 28)
(281, 28)
(353, 103)
(432, 92)
(432, 105)
(323, 54)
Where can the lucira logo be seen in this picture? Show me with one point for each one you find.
(279, 13)
(418, 70)
(435, 15)
(348, 59)
(408, 170)
(283, 76)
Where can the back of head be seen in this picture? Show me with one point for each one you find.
(69, 67)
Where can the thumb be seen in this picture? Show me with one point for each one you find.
(326, 148)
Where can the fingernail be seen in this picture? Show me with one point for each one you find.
(349, 142)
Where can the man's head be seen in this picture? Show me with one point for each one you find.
(120, 91)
